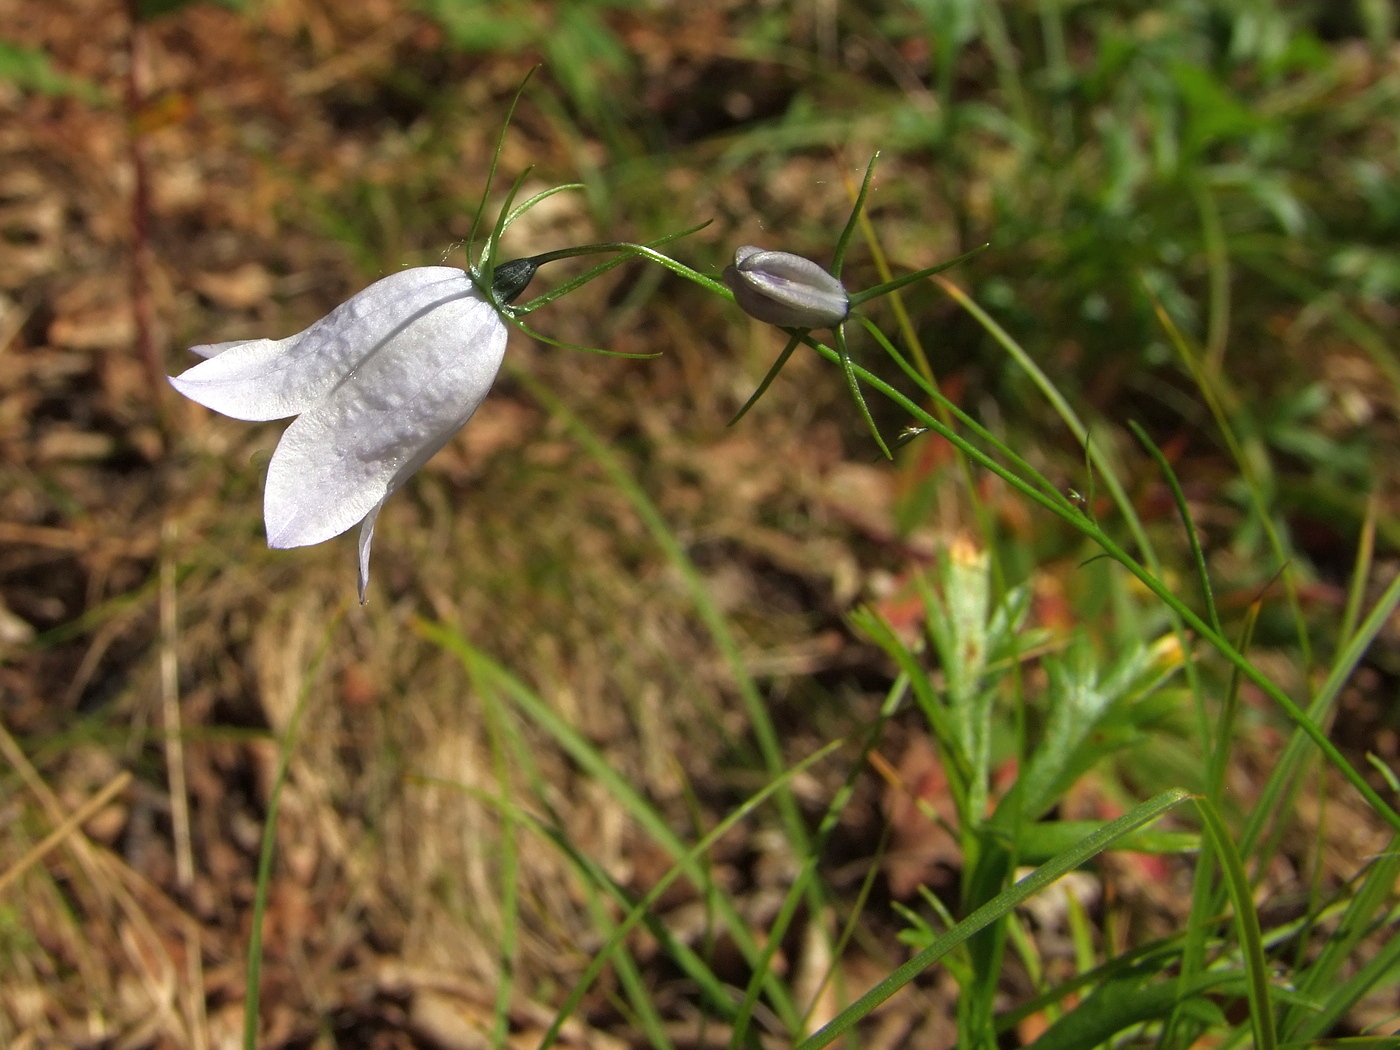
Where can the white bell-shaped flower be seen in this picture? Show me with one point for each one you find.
(378, 385)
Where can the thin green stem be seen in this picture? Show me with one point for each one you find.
(1192, 536)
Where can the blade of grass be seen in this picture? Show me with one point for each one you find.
(764, 730)
(894, 700)
(1361, 571)
(1381, 971)
(1324, 976)
(1217, 253)
(1269, 804)
(991, 912)
(1261, 1008)
(582, 752)
(1192, 536)
(1204, 903)
(1067, 415)
(792, 344)
(510, 864)
(700, 849)
(1157, 956)
(1215, 392)
(1128, 1001)
(72, 823)
(799, 890)
(285, 749)
(641, 909)
(596, 881)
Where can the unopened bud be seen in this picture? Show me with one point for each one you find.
(785, 289)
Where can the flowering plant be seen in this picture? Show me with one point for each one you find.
(379, 384)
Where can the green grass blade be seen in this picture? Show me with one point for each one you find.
(1067, 415)
(1247, 457)
(799, 891)
(794, 341)
(1204, 902)
(1156, 957)
(1040, 842)
(597, 766)
(1324, 977)
(764, 731)
(1361, 571)
(1379, 972)
(1119, 1004)
(1284, 770)
(991, 912)
(268, 847)
(643, 907)
(1261, 1008)
(510, 863)
(853, 385)
(838, 257)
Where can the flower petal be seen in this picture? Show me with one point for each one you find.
(273, 378)
(367, 538)
(348, 452)
(207, 350)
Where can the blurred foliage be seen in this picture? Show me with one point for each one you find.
(1193, 208)
(148, 9)
(30, 70)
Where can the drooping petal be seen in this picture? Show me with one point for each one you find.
(366, 539)
(272, 378)
(344, 455)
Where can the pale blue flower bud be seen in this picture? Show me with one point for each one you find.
(378, 385)
(785, 289)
